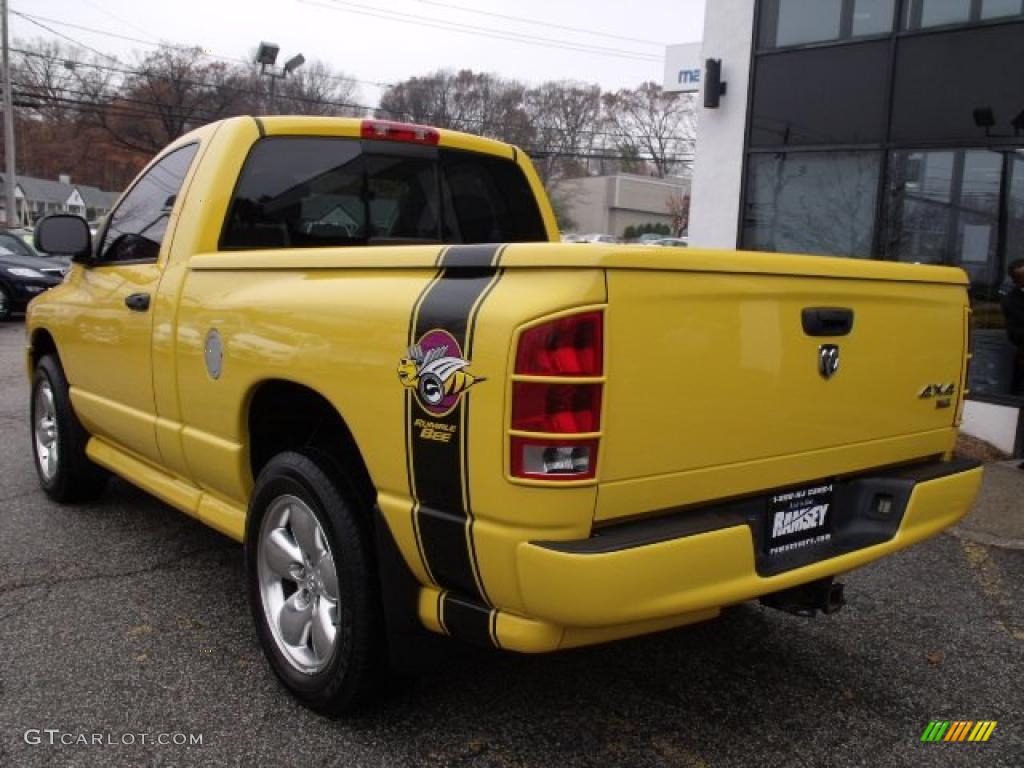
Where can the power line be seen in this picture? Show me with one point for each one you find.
(462, 123)
(185, 81)
(33, 19)
(516, 37)
(31, 100)
(543, 23)
(53, 31)
(116, 18)
(162, 111)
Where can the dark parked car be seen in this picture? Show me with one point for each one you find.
(18, 242)
(22, 278)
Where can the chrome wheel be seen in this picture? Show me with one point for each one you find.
(45, 431)
(298, 583)
(5, 304)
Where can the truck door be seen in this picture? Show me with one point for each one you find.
(109, 357)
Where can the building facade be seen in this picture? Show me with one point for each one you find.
(610, 204)
(883, 129)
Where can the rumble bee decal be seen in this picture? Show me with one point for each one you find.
(436, 371)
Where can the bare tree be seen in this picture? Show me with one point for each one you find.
(316, 89)
(565, 116)
(466, 101)
(166, 94)
(649, 122)
(44, 79)
(678, 207)
(53, 84)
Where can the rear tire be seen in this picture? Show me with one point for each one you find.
(312, 585)
(58, 439)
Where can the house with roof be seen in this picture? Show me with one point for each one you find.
(97, 202)
(35, 198)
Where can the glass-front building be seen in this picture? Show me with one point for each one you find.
(894, 129)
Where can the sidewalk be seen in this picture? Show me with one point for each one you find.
(997, 519)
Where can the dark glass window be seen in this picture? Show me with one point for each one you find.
(872, 17)
(1015, 208)
(821, 96)
(962, 85)
(802, 22)
(811, 202)
(943, 208)
(312, 192)
(16, 245)
(996, 9)
(934, 13)
(138, 224)
(997, 365)
(807, 21)
(921, 14)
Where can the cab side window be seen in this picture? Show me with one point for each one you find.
(137, 226)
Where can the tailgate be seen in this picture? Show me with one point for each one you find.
(715, 371)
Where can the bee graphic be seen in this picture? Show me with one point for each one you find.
(435, 375)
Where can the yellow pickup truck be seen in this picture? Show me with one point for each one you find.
(358, 348)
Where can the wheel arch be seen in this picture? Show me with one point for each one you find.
(41, 343)
(282, 415)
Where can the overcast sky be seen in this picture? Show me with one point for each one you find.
(352, 36)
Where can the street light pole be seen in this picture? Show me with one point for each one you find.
(266, 57)
(9, 177)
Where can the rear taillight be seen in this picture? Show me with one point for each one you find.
(544, 408)
(408, 132)
(562, 408)
(569, 346)
(537, 459)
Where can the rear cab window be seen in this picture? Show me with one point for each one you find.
(310, 192)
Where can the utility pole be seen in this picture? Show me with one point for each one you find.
(9, 178)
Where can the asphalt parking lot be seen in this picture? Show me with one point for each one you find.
(126, 617)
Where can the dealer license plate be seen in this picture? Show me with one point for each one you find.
(799, 518)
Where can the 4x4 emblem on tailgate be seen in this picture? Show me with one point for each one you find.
(828, 360)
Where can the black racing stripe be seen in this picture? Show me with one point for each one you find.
(437, 469)
(409, 419)
(482, 255)
(467, 620)
(443, 535)
(471, 337)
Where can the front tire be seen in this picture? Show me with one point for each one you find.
(311, 585)
(58, 439)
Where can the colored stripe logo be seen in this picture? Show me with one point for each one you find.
(958, 730)
(442, 513)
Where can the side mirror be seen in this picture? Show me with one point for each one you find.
(64, 235)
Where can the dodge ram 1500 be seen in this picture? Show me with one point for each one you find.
(358, 348)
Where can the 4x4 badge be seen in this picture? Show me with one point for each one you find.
(937, 390)
(828, 360)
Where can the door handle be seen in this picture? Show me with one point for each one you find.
(137, 302)
(827, 321)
